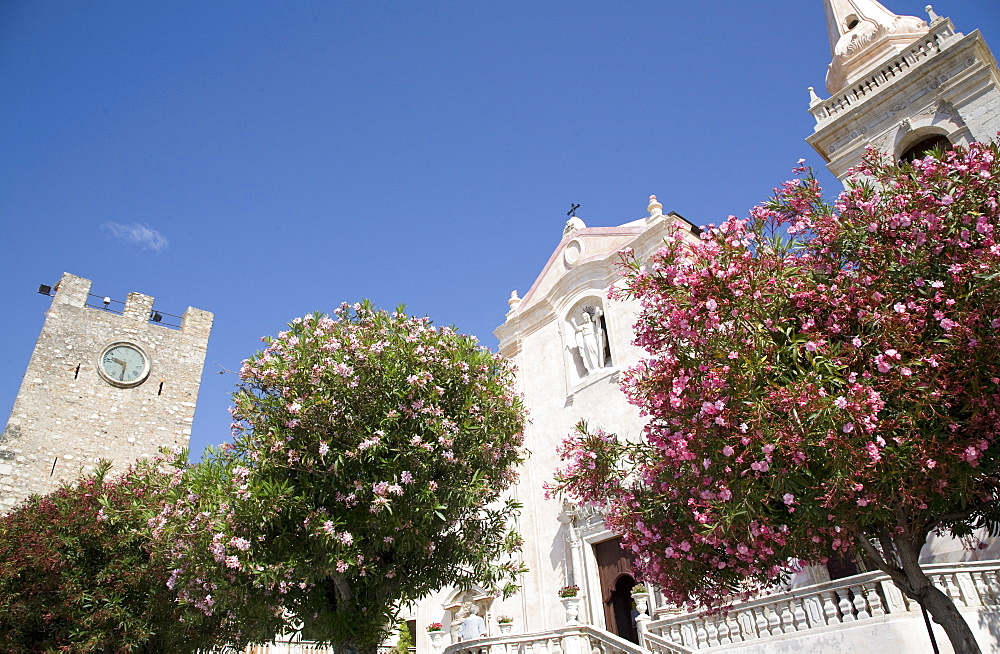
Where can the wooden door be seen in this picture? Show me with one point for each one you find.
(614, 566)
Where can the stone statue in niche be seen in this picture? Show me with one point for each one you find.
(473, 626)
(590, 338)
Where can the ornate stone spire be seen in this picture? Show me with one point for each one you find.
(863, 34)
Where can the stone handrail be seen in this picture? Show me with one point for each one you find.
(579, 639)
(659, 645)
(929, 44)
(853, 599)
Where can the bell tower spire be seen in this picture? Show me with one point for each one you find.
(863, 33)
(901, 85)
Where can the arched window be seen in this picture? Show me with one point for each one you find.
(924, 146)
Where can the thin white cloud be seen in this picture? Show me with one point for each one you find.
(143, 236)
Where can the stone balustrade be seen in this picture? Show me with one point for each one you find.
(867, 597)
(578, 639)
(941, 32)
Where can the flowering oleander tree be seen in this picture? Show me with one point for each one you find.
(77, 573)
(820, 379)
(371, 459)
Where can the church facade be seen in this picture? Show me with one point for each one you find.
(900, 84)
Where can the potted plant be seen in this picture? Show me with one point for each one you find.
(505, 622)
(640, 594)
(569, 596)
(436, 631)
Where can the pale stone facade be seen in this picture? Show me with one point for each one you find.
(562, 385)
(67, 415)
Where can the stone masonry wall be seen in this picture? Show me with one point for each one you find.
(67, 417)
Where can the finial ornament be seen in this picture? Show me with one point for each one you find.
(813, 98)
(654, 208)
(513, 302)
(931, 14)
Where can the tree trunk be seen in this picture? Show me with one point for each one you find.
(917, 586)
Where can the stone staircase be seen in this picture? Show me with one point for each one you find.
(846, 615)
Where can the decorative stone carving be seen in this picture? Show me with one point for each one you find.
(589, 336)
(881, 142)
(572, 253)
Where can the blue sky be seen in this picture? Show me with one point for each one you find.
(263, 160)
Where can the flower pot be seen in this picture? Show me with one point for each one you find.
(641, 604)
(505, 627)
(437, 639)
(572, 605)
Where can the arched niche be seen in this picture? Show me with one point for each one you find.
(585, 330)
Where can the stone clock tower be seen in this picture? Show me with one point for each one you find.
(901, 84)
(101, 384)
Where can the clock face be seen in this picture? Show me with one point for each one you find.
(124, 364)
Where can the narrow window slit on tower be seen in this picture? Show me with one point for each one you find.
(160, 390)
(76, 375)
(53, 470)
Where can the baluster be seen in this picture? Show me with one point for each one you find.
(724, 630)
(845, 607)
(784, 615)
(946, 582)
(787, 619)
(760, 617)
(874, 598)
(773, 620)
(675, 633)
(860, 608)
(982, 588)
(700, 633)
(555, 646)
(712, 629)
(986, 585)
(799, 620)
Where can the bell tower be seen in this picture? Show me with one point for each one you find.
(107, 380)
(901, 84)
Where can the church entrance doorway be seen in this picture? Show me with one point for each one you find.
(614, 566)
